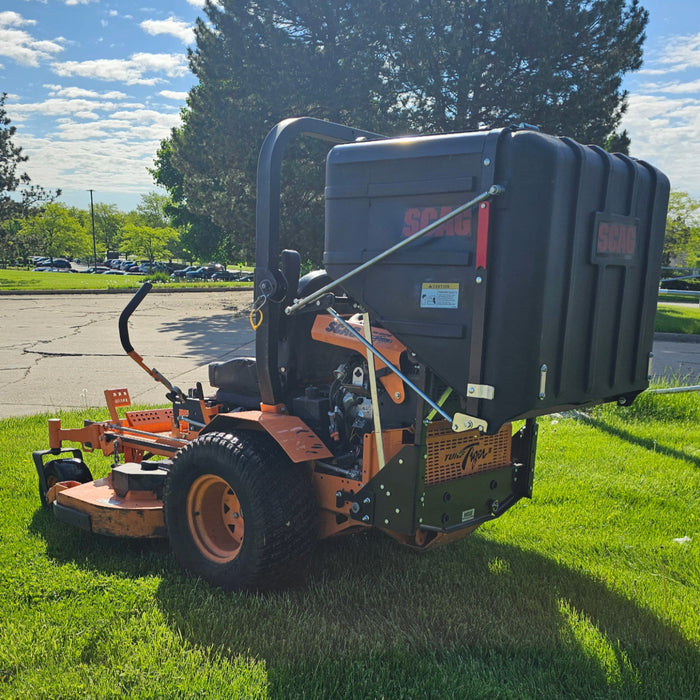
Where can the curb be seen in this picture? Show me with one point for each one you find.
(677, 337)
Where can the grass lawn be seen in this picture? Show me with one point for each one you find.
(678, 319)
(22, 280)
(582, 592)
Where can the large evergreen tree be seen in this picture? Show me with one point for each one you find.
(390, 67)
(558, 64)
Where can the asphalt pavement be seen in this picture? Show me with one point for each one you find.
(61, 351)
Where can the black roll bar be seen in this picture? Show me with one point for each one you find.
(267, 249)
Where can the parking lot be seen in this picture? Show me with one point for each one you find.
(60, 351)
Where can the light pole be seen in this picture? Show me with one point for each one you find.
(94, 243)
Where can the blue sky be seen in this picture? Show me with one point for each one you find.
(94, 85)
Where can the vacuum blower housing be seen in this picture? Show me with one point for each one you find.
(547, 293)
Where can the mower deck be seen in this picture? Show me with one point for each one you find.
(98, 507)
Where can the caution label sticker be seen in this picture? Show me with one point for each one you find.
(439, 295)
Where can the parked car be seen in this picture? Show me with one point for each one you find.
(47, 268)
(148, 267)
(55, 264)
(99, 270)
(131, 268)
(226, 276)
(180, 274)
(204, 272)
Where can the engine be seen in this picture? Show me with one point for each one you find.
(342, 413)
(350, 413)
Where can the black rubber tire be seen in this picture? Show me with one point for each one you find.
(69, 469)
(277, 507)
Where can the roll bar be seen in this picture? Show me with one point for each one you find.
(268, 279)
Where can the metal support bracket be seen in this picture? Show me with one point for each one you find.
(543, 382)
(481, 391)
(462, 422)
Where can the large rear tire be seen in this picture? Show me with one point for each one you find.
(239, 513)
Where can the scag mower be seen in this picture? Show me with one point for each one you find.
(471, 281)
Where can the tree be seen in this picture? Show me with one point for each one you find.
(12, 158)
(149, 242)
(55, 232)
(318, 58)
(109, 222)
(151, 210)
(389, 67)
(13, 247)
(14, 208)
(682, 241)
(558, 64)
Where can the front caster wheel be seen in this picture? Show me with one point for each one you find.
(239, 513)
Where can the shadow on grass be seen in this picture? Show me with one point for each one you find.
(373, 619)
(108, 555)
(646, 443)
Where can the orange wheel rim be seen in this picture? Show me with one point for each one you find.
(215, 518)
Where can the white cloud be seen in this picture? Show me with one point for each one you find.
(110, 152)
(20, 45)
(68, 107)
(654, 71)
(103, 163)
(663, 116)
(131, 71)
(664, 132)
(146, 116)
(14, 19)
(172, 26)
(172, 95)
(80, 2)
(682, 52)
(196, 3)
(677, 88)
(73, 92)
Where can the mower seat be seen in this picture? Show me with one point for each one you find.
(236, 381)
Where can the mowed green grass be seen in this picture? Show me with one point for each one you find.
(22, 280)
(678, 319)
(582, 592)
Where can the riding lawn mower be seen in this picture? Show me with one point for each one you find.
(472, 282)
